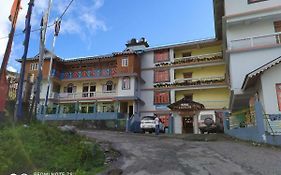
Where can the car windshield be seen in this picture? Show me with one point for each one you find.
(148, 118)
(203, 117)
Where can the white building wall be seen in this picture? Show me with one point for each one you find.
(268, 80)
(244, 62)
(250, 29)
(129, 92)
(242, 6)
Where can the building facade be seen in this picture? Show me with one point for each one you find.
(251, 39)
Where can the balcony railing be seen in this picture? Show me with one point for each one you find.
(205, 58)
(256, 41)
(96, 73)
(189, 82)
(215, 104)
(84, 95)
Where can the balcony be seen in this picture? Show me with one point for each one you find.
(97, 73)
(261, 41)
(84, 95)
(198, 59)
(194, 82)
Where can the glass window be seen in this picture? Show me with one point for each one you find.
(161, 55)
(126, 83)
(125, 62)
(161, 76)
(162, 97)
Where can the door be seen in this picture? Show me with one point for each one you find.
(187, 125)
(131, 111)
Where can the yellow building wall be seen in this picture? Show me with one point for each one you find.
(201, 72)
(200, 51)
(79, 84)
(210, 98)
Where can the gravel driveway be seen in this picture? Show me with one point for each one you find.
(142, 154)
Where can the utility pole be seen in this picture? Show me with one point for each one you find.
(18, 109)
(3, 80)
(44, 25)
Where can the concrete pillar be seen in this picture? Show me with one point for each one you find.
(173, 96)
(171, 54)
(195, 124)
(260, 121)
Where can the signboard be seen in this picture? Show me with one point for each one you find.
(278, 92)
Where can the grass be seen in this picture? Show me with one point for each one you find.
(41, 148)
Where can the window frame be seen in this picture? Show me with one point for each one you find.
(156, 72)
(128, 85)
(162, 51)
(157, 94)
(125, 61)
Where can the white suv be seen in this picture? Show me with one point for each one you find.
(148, 124)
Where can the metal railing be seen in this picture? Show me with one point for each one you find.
(211, 78)
(273, 123)
(84, 95)
(255, 41)
(203, 56)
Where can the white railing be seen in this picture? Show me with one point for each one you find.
(255, 41)
(219, 54)
(85, 95)
(219, 78)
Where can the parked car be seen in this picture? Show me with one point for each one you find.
(210, 122)
(148, 124)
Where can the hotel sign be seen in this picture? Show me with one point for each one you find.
(278, 92)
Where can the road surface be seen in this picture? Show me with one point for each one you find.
(145, 154)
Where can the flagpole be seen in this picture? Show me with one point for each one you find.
(3, 79)
(56, 32)
(43, 30)
(18, 108)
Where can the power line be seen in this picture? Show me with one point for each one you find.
(49, 25)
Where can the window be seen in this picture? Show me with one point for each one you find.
(70, 88)
(161, 56)
(254, 1)
(278, 92)
(108, 87)
(161, 76)
(187, 75)
(277, 28)
(126, 83)
(34, 66)
(162, 97)
(188, 96)
(186, 54)
(125, 62)
(89, 90)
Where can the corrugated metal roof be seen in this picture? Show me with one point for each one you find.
(257, 72)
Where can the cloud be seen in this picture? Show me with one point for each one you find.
(11, 69)
(81, 20)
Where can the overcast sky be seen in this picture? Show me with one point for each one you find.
(93, 27)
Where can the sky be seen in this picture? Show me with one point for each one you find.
(95, 27)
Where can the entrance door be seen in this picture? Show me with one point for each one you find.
(187, 125)
(131, 111)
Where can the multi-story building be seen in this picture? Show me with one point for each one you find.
(194, 70)
(252, 31)
(139, 81)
